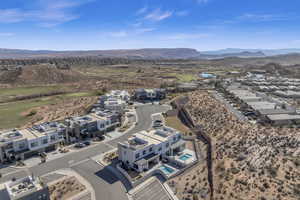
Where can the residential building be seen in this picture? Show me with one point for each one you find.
(28, 188)
(147, 148)
(116, 100)
(93, 124)
(149, 94)
(21, 144)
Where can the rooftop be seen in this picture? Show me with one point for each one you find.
(10, 135)
(261, 105)
(21, 187)
(147, 138)
(280, 117)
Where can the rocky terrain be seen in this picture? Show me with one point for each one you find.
(250, 162)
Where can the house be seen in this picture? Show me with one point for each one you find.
(28, 188)
(93, 124)
(149, 94)
(24, 143)
(115, 104)
(147, 148)
(116, 100)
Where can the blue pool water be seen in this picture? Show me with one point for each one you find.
(166, 170)
(185, 157)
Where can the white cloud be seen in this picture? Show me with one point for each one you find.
(158, 15)
(182, 13)
(202, 1)
(119, 34)
(12, 15)
(296, 41)
(6, 34)
(47, 13)
(262, 17)
(142, 10)
(186, 36)
(144, 30)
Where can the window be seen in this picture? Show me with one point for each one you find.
(151, 149)
(167, 145)
(22, 145)
(52, 137)
(45, 141)
(144, 152)
(107, 123)
(160, 148)
(33, 144)
(174, 139)
(137, 155)
(102, 125)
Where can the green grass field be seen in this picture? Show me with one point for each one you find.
(10, 93)
(12, 114)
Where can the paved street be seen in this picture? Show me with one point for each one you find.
(105, 184)
(79, 160)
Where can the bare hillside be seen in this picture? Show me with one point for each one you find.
(39, 74)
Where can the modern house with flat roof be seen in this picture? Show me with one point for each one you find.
(21, 144)
(149, 94)
(92, 124)
(147, 148)
(116, 100)
(28, 188)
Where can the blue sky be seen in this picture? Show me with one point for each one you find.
(129, 24)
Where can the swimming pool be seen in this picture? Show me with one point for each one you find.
(185, 157)
(167, 170)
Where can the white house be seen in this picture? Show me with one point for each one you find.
(145, 149)
(27, 142)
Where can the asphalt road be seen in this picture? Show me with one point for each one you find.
(84, 166)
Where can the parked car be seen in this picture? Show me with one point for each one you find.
(80, 145)
(87, 143)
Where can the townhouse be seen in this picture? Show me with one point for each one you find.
(145, 149)
(93, 124)
(24, 143)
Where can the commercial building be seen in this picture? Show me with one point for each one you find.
(21, 144)
(149, 94)
(28, 188)
(93, 124)
(147, 148)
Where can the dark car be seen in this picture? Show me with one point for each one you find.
(87, 143)
(80, 145)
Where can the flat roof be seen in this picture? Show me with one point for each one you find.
(10, 135)
(18, 188)
(280, 117)
(260, 105)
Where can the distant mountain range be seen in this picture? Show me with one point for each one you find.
(150, 53)
(267, 52)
